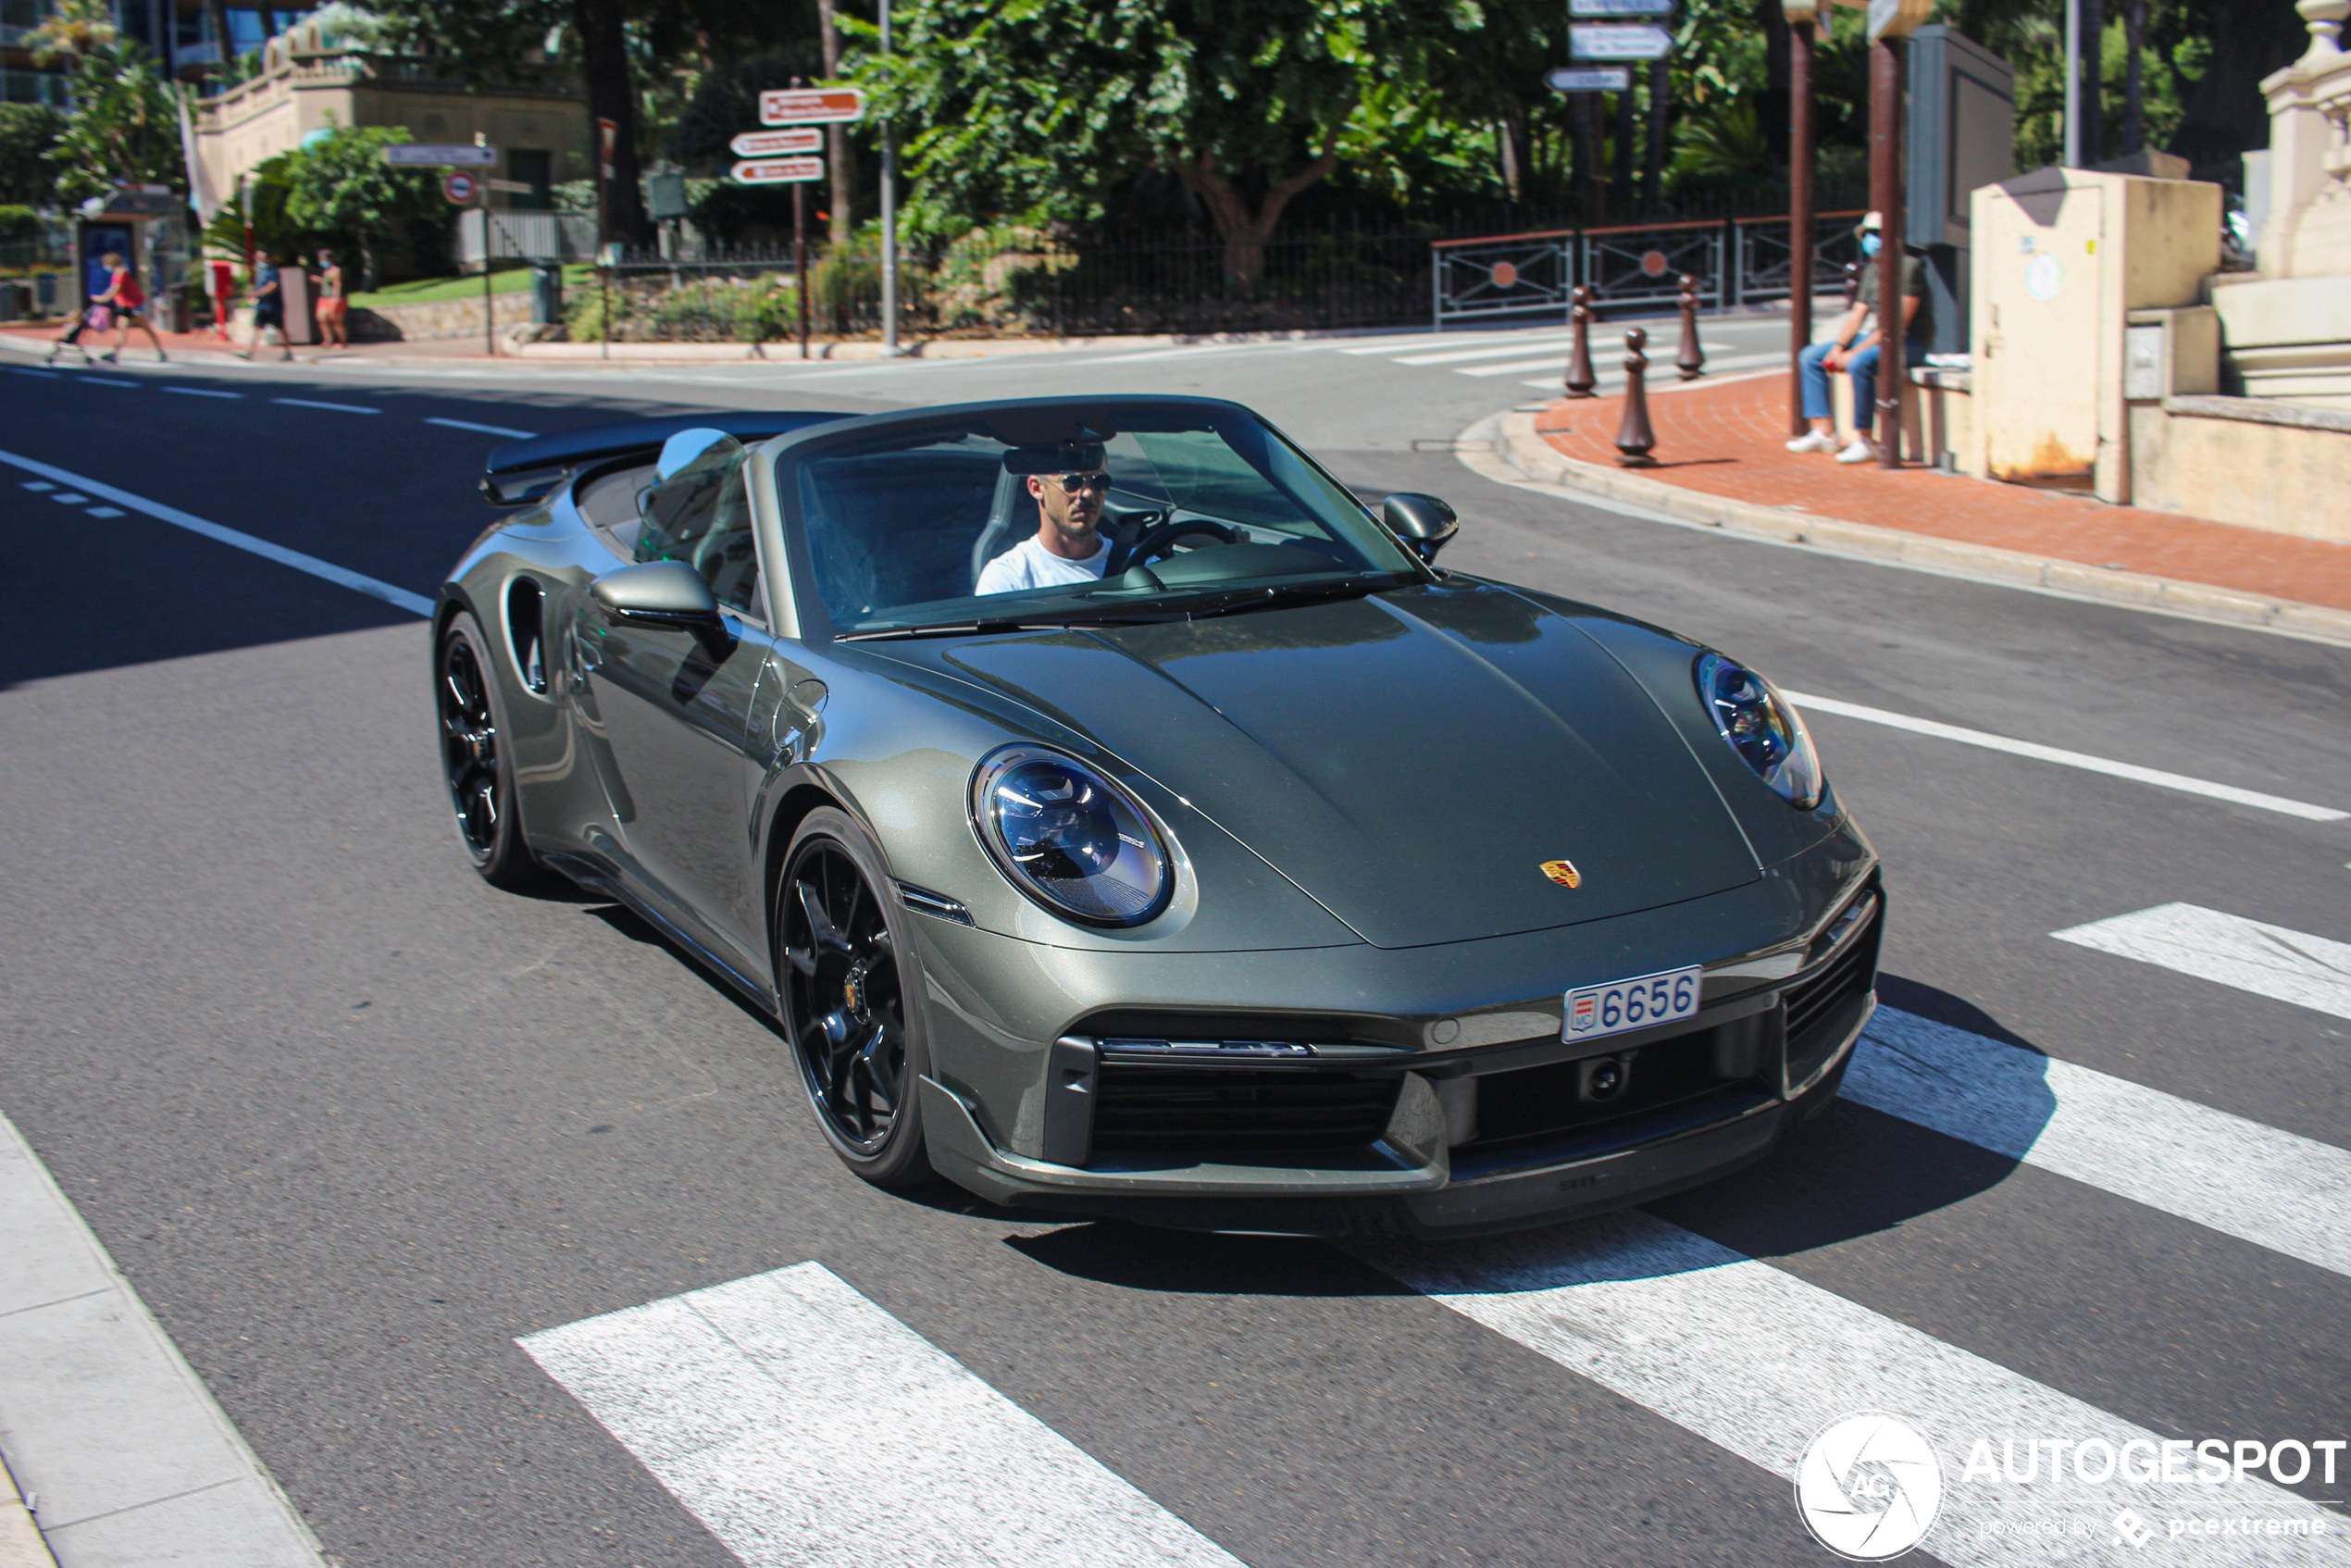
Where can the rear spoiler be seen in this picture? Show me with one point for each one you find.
(523, 471)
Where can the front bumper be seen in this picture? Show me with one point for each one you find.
(1363, 1137)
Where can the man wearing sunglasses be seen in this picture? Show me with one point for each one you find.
(1069, 546)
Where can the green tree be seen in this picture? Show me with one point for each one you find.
(338, 185)
(1037, 108)
(29, 138)
(125, 125)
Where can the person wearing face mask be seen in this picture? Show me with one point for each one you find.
(1861, 360)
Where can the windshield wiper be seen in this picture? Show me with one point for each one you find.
(976, 629)
(1283, 597)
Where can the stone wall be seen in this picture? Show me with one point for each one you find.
(440, 318)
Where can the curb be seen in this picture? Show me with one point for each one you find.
(1520, 456)
(124, 1454)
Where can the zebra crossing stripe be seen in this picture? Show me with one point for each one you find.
(2290, 1194)
(805, 1427)
(2228, 950)
(1755, 1361)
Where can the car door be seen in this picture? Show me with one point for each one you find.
(677, 711)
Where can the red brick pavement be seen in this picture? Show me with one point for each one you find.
(1725, 440)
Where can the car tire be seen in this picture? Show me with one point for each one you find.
(477, 759)
(849, 989)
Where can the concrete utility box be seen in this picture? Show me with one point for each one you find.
(1961, 134)
(2061, 256)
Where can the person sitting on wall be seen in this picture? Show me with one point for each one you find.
(1840, 351)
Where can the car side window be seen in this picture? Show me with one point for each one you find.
(701, 513)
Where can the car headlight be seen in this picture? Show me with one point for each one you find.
(1761, 728)
(1069, 838)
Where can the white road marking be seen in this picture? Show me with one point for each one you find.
(72, 498)
(1755, 1361)
(2270, 960)
(313, 403)
(2290, 1194)
(105, 381)
(45, 374)
(485, 429)
(104, 512)
(415, 603)
(804, 1426)
(38, 484)
(2034, 749)
(202, 392)
(1503, 351)
(1518, 366)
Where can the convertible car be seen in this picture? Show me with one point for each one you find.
(1235, 867)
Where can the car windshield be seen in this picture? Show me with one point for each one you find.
(1144, 513)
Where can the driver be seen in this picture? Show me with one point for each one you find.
(1069, 546)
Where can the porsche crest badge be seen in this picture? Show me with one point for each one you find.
(1563, 872)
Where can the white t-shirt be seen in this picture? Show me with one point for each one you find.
(1030, 564)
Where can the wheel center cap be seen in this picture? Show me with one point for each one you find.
(853, 991)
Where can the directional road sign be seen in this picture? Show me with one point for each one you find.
(811, 106)
(1619, 7)
(428, 155)
(1589, 78)
(1619, 41)
(779, 171)
(776, 143)
(460, 187)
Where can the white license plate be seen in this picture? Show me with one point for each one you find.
(1631, 1005)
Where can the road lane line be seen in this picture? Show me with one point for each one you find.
(1755, 1361)
(485, 429)
(104, 512)
(2270, 960)
(313, 403)
(1529, 345)
(72, 498)
(2131, 771)
(202, 392)
(38, 484)
(2289, 1194)
(45, 374)
(415, 603)
(804, 1426)
(105, 381)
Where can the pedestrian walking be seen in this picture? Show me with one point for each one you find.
(128, 302)
(269, 308)
(71, 338)
(1861, 360)
(332, 302)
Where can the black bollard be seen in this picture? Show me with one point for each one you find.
(1580, 377)
(1634, 437)
(1691, 359)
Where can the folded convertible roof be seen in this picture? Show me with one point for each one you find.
(585, 443)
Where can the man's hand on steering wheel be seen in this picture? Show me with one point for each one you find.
(1159, 539)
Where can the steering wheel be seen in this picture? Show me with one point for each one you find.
(1160, 539)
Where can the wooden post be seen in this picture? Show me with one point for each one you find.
(1799, 214)
(800, 258)
(1689, 359)
(1581, 378)
(1886, 195)
(1634, 437)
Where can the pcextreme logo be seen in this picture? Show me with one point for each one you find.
(1868, 1486)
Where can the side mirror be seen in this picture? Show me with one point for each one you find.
(1421, 521)
(668, 594)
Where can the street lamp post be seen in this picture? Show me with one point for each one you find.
(888, 216)
(1803, 16)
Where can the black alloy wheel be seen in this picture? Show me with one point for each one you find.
(843, 972)
(474, 760)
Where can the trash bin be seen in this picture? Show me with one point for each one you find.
(546, 292)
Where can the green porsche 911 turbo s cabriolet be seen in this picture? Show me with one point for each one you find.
(1117, 816)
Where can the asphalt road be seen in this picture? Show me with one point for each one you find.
(352, 1122)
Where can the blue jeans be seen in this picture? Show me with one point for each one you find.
(1862, 368)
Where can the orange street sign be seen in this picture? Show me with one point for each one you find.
(811, 106)
(779, 171)
(776, 143)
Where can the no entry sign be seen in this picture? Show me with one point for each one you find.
(460, 187)
(779, 171)
(776, 143)
(811, 106)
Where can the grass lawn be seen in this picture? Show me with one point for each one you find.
(511, 279)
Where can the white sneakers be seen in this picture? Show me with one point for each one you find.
(1813, 440)
(1858, 453)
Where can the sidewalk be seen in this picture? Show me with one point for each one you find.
(1722, 462)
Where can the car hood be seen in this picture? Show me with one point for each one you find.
(1410, 760)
